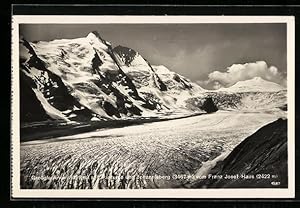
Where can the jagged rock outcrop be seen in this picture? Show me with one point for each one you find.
(209, 105)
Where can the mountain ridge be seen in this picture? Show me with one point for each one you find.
(99, 81)
(87, 79)
(256, 84)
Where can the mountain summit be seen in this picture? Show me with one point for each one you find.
(87, 79)
(256, 84)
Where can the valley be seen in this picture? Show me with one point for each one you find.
(124, 157)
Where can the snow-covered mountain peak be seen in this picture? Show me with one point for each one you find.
(96, 40)
(94, 36)
(250, 82)
(87, 79)
(256, 84)
(161, 69)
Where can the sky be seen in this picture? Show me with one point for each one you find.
(213, 55)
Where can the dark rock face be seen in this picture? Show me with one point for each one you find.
(122, 78)
(127, 54)
(204, 103)
(182, 81)
(284, 107)
(96, 61)
(159, 83)
(262, 154)
(209, 105)
(110, 109)
(31, 108)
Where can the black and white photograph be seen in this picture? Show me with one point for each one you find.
(151, 106)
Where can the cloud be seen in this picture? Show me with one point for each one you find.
(189, 63)
(240, 72)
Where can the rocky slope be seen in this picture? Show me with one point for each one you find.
(246, 101)
(259, 161)
(87, 79)
(254, 94)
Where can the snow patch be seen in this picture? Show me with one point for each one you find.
(208, 165)
(50, 110)
(95, 119)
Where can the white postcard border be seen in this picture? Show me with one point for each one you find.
(17, 192)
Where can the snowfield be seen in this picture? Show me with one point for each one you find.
(140, 156)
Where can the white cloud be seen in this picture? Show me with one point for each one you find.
(240, 72)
